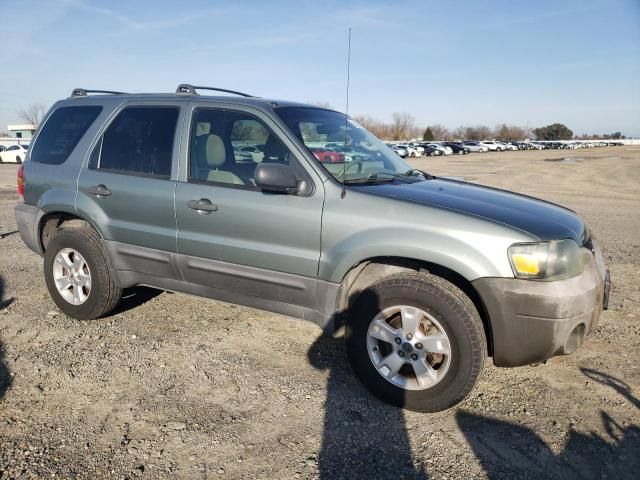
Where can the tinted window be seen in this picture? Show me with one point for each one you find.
(227, 146)
(62, 132)
(140, 141)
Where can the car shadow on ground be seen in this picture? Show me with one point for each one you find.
(508, 450)
(5, 378)
(134, 297)
(363, 437)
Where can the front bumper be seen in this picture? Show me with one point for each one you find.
(533, 321)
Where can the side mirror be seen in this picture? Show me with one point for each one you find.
(275, 177)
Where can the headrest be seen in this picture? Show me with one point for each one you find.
(215, 151)
(203, 128)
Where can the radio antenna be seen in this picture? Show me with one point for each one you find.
(346, 119)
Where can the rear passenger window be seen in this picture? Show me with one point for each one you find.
(62, 132)
(140, 141)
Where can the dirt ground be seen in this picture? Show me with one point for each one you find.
(173, 386)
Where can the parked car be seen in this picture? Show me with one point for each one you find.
(326, 155)
(458, 148)
(475, 146)
(411, 151)
(249, 153)
(443, 148)
(431, 151)
(400, 151)
(14, 154)
(508, 146)
(428, 276)
(492, 146)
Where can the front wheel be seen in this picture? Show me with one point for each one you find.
(416, 341)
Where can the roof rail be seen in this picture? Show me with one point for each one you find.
(81, 92)
(186, 89)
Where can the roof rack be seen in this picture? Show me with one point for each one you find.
(81, 92)
(186, 89)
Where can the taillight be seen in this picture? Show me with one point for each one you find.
(21, 181)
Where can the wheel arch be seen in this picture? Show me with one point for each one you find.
(49, 222)
(367, 272)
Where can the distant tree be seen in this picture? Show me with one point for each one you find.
(428, 136)
(479, 132)
(378, 128)
(506, 133)
(616, 135)
(402, 126)
(440, 132)
(33, 114)
(556, 131)
(4, 134)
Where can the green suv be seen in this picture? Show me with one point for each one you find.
(298, 210)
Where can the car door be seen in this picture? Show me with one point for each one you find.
(232, 235)
(127, 187)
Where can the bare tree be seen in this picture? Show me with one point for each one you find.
(440, 132)
(33, 114)
(403, 126)
(375, 126)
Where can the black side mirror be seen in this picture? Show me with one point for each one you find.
(275, 177)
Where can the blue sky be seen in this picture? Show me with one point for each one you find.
(450, 62)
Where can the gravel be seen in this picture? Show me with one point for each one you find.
(173, 386)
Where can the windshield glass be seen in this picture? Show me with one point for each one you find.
(353, 155)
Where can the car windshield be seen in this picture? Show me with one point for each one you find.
(363, 157)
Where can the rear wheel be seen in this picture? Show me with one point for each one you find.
(18, 160)
(77, 274)
(416, 341)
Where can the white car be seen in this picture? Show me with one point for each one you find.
(492, 146)
(249, 153)
(508, 146)
(443, 148)
(399, 150)
(475, 146)
(14, 154)
(418, 148)
(411, 151)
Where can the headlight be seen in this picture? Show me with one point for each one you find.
(553, 260)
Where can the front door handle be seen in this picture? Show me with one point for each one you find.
(99, 191)
(202, 206)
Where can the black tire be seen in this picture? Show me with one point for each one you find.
(18, 160)
(104, 294)
(455, 313)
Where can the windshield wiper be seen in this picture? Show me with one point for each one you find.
(373, 178)
(415, 172)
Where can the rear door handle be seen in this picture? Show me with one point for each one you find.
(99, 191)
(203, 206)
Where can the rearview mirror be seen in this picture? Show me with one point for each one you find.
(275, 177)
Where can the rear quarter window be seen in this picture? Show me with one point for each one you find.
(62, 132)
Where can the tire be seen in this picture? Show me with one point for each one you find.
(442, 306)
(103, 293)
(18, 160)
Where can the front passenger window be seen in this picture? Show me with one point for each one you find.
(227, 146)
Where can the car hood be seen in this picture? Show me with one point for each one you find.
(545, 220)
